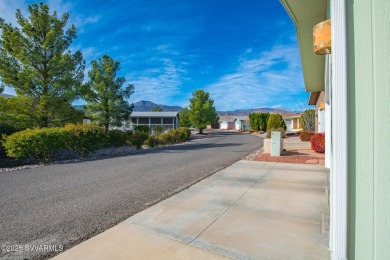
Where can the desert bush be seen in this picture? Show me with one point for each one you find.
(318, 142)
(275, 121)
(281, 130)
(117, 138)
(138, 139)
(38, 143)
(85, 138)
(142, 128)
(152, 141)
(305, 135)
(175, 136)
(158, 130)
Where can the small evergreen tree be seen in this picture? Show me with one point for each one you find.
(276, 121)
(106, 99)
(202, 112)
(184, 117)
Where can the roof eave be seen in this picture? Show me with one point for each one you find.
(313, 66)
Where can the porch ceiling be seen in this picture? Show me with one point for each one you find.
(306, 14)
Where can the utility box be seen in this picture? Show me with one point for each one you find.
(276, 139)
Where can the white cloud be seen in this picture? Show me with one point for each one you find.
(157, 84)
(263, 80)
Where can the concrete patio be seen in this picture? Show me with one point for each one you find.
(250, 210)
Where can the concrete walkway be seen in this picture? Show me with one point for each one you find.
(250, 210)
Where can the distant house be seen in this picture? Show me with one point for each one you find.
(168, 120)
(242, 123)
(226, 122)
(293, 122)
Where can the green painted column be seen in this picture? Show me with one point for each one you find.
(368, 24)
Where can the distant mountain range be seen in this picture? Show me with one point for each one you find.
(144, 106)
(245, 112)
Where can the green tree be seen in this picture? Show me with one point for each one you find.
(276, 121)
(106, 99)
(20, 112)
(308, 120)
(202, 112)
(36, 61)
(258, 121)
(157, 109)
(184, 117)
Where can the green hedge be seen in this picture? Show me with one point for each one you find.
(85, 138)
(138, 139)
(142, 128)
(118, 138)
(175, 136)
(42, 143)
(37, 143)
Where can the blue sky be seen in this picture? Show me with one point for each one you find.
(244, 53)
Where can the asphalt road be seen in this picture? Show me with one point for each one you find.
(65, 204)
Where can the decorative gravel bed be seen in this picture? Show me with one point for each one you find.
(294, 156)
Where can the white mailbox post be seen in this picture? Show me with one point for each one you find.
(275, 143)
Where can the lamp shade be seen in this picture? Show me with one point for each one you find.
(322, 38)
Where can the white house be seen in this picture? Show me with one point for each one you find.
(293, 122)
(168, 120)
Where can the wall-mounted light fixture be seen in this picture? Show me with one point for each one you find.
(322, 38)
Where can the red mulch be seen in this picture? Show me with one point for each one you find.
(294, 156)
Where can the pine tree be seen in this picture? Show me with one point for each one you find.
(36, 62)
(106, 99)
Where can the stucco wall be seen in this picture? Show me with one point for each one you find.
(368, 38)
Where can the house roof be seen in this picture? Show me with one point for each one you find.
(242, 118)
(154, 114)
(305, 15)
(285, 116)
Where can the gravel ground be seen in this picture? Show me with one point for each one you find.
(65, 204)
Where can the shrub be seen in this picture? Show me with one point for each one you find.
(36, 143)
(85, 138)
(152, 141)
(318, 142)
(258, 121)
(276, 121)
(305, 135)
(175, 136)
(281, 130)
(142, 128)
(7, 129)
(117, 138)
(138, 139)
(158, 130)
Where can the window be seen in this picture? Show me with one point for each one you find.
(167, 120)
(143, 121)
(156, 121)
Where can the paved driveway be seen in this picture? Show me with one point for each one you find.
(65, 204)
